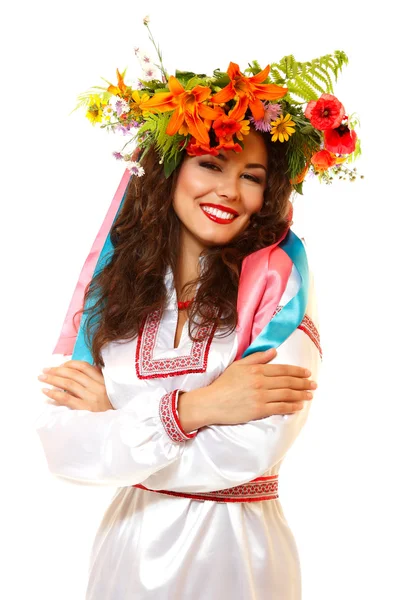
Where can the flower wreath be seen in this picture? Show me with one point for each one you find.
(293, 101)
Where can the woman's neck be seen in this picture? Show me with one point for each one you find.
(188, 267)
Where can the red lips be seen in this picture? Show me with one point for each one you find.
(223, 208)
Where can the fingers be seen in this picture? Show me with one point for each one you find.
(73, 379)
(287, 396)
(64, 383)
(287, 382)
(64, 399)
(85, 368)
(258, 357)
(282, 408)
(284, 371)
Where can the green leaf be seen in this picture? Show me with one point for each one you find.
(304, 77)
(171, 163)
(253, 68)
(153, 85)
(195, 81)
(299, 187)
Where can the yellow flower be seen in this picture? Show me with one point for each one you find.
(95, 109)
(244, 130)
(134, 103)
(139, 98)
(282, 128)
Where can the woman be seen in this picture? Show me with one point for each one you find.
(183, 409)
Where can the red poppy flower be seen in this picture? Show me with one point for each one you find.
(323, 160)
(325, 113)
(341, 140)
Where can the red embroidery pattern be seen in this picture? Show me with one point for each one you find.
(170, 420)
(148, 367)
(307, 325)
(262, 488)
(309, 328)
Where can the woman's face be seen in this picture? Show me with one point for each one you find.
(215, 196)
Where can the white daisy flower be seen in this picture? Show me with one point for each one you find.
(120, 105)
(108, 111)
(135, 168)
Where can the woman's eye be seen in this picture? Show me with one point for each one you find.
(252, 178)
(210, 166)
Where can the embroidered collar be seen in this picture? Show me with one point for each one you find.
(172, 301)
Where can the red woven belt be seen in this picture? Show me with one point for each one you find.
(262, 488)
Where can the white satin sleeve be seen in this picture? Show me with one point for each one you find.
(115, 447)
(223, 456)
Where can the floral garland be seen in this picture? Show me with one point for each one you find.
(292, 101)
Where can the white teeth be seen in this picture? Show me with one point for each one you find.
(218, 213)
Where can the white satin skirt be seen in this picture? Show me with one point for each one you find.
(151, 546)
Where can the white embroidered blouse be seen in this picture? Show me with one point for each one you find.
(161, 546)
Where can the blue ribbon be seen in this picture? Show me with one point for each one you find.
(81, 349)
(282, 325)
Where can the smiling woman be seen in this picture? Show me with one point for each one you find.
(175, 395)
(228, 189)
(162, 224)
(190, 375)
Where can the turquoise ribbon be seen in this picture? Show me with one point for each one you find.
(282, 325)
(81, 349)
(274, 333)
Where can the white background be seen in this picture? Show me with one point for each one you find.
(338, 483)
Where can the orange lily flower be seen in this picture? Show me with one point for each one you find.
(194, 148)
(188, 107)
(120, 89)
(229, 145)
(250, 91)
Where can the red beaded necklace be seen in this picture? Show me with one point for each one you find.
(185, 304)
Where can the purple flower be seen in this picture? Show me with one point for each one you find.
(117, 155)
(272, 112)
(121, 107)
(136, 169)
(124, 129)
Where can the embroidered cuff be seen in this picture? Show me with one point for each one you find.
(307, 325)
(170, 419)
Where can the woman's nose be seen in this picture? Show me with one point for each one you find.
(228, 187)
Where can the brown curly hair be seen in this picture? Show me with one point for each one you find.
(145, 237)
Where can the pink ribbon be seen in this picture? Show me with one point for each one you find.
(263, 280)
(66, 341)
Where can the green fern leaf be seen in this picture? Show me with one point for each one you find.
(276, 76)
(313, 84)
(303, 90)
(322, 74)
(303, 76)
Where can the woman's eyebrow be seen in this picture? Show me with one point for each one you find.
(255, 166)
(248, 166)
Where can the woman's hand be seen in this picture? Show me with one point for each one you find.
(248, 390)
(82, 386)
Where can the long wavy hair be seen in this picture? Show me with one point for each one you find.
(145, 237)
